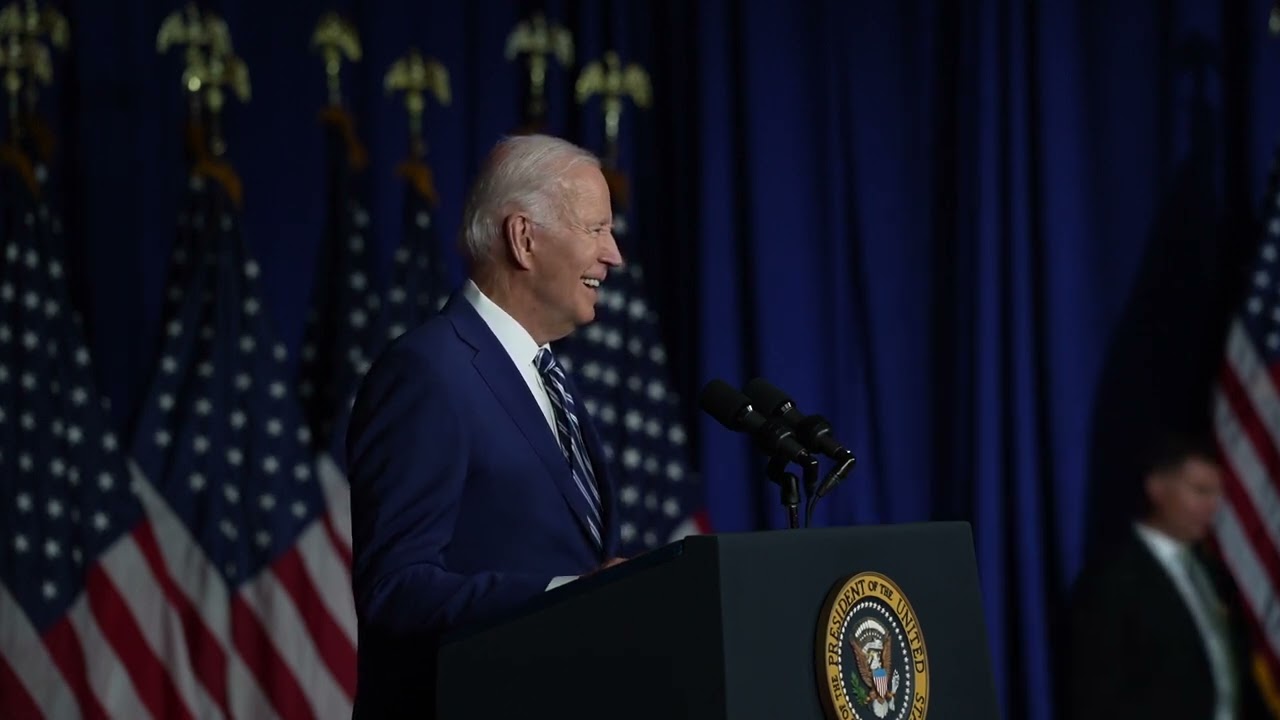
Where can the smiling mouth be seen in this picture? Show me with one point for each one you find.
(592, 283)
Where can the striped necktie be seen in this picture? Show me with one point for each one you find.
(570, 433)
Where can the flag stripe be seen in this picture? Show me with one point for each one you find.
(1259, 594)
(1247, 484)
(1248, 380)
(277, 680)
(331, 575)
(15, 701)
(337, 495)
(159, 622)
(341, 545)
(1239, 429)
(69, 655)
(203, 587)
(187, 564)
(34, 669)
(105, 670)
(208, 660)
(331, 645)
(286, 630)
(1268, 559)
(118, 625)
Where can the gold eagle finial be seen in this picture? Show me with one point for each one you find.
(614, 82)
(27, 32)
(336, 38)
(416, 76)
(539, 40)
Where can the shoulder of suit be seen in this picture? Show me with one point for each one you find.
(432, 345)
(429, 335)
(1114, 565)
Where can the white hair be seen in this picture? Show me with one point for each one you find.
(522, 173)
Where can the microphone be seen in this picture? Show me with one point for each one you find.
(733, 410)
(814, 431)
(833, 478)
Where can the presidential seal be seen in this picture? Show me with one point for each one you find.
(871, 657)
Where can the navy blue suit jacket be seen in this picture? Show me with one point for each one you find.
(462, 504)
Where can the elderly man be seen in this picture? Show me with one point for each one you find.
(477, 480)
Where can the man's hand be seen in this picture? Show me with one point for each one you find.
(607, 564)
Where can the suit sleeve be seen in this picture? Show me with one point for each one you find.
(407, 452)
(1097, 679)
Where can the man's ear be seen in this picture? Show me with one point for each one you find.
(517, 236)
(1155, 485)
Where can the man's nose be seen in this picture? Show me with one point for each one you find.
(610, 254)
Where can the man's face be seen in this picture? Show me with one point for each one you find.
(574, 254)
(1185, 500)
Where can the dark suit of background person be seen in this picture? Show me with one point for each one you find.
(1145, 640)
(464, 504)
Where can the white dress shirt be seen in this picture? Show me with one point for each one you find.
(1170, 553)
(522, 349)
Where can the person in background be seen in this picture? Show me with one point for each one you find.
(1155, 629)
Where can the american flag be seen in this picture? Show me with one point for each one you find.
(1246, 420)
(619, 365)
(420, 277)
(248, 574)
(78, 594)
(345, 325)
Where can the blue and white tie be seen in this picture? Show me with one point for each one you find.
(575, 451)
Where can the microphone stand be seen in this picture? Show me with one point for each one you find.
(789, 486)
(810, 481)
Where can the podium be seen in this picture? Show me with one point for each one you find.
(869, 623)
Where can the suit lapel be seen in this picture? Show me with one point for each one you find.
(503, 378)
(1166, 600)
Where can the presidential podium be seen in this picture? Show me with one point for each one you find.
(860, 622)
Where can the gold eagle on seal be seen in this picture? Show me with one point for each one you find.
(876, 668)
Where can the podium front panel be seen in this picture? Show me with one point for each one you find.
(869, 623)
(774, 586)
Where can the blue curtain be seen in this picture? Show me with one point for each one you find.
(993, 241)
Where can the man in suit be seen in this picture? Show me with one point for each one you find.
(1155, 631)
(477, 481)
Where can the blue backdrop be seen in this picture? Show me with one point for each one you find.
(993, 241)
